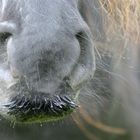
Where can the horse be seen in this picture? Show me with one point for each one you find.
(79, 57)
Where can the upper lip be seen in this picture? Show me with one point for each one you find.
(36, 105)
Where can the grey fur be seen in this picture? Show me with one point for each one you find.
(50, 44)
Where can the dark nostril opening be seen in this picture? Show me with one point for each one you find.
(79, 35)
(4, 37)
(83, 39)
(83, 36)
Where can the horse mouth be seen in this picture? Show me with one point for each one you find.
(40, 108)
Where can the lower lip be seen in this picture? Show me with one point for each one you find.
(41, 118)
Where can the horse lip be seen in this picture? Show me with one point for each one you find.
(23, 106)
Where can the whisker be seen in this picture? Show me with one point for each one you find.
(22, 106)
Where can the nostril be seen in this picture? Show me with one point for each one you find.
(4, 37)
(81, 37)
(85, 67)
(84, 39)
(86, 45)
(79, 34)
(7, 29)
